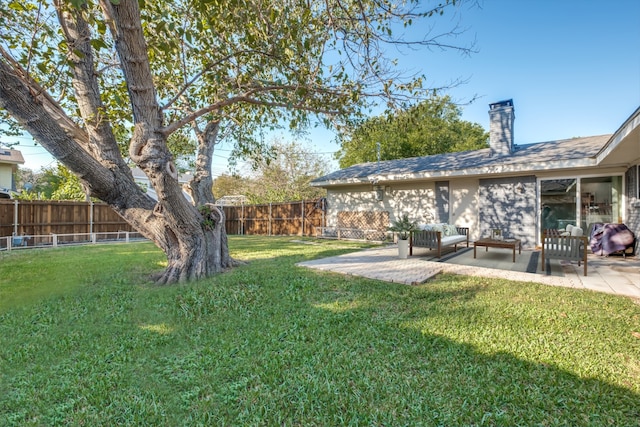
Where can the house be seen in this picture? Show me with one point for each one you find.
(145, 183)
(519, 189)
(9, 161)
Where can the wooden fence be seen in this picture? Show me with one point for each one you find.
(276, 219)
(42, 217)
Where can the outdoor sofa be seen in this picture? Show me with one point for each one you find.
(437, 236)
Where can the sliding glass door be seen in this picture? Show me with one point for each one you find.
(580, 201)
(558, 203)
(600, 200)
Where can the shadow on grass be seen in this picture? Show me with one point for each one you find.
(362, 351)
(445, 381)
(272, 344)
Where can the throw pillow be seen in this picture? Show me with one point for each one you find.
(450, 230)
(437, 227)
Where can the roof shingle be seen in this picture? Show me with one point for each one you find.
(524, 158)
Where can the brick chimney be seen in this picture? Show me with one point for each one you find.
(501, 117)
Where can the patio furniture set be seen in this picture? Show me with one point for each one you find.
(569, 244)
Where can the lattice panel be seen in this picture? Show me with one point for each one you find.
(371, 220)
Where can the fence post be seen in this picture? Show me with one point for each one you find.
(9, 242)
(93, 237)
(15, 217)
(126, 237)
(54, 240)
(302, 202)
(269, 223)
(91, 216)
(242, 219)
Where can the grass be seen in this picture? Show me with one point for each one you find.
(87, 340)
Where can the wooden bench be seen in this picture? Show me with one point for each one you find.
(436, 240)
(570, 248)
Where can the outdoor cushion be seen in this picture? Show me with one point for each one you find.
(576, 231)
(437, 227)
(450, 240)
(450, 230)
(569, 229)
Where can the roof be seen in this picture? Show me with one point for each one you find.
(232, 200)
(550, 155)
(13, 157)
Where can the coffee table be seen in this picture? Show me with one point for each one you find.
(493, 243)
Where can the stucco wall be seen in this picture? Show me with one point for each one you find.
(416, 201)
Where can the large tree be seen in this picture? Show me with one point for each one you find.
(432, 126)
(87, 77)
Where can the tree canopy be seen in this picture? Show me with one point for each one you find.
(103, 84)
(51, 183)
(429, 127)
(282, 176)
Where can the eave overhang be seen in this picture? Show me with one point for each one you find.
(623, 148)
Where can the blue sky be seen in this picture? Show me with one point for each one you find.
(572, 68)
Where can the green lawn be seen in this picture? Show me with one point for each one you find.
(86, 339)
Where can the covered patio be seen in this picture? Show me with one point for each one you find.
(613, 274)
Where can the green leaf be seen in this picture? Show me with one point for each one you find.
(16, 6)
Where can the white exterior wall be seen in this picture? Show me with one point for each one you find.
(464, 205)
(418, 201)
(6, 176)
(414, 200)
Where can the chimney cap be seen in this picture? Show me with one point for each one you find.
(501, 104)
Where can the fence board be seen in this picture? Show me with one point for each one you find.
(44, 217)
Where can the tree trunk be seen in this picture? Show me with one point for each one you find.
(195, 244)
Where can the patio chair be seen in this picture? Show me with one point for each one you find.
(569, 248)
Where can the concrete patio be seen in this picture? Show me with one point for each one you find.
(614, 274)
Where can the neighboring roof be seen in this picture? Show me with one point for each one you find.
(551, 155)
(141, 178)
(232, 200)
(13, 157)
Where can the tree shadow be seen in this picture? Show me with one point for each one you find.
(453, 382)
